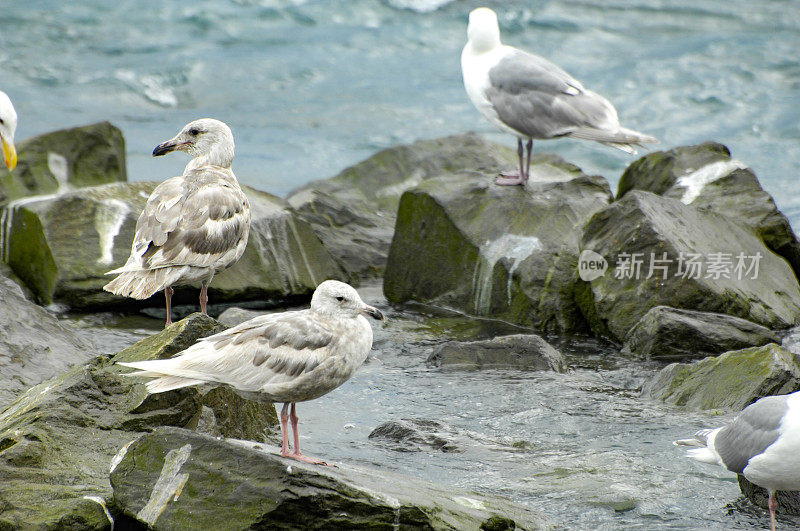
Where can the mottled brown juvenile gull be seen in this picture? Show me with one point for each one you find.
(284, 357)
(194, 225)
(530, 97)
(762, 443)
(8, 126)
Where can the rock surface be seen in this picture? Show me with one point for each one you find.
(518, 351)
(415, 435)
(62, 246)
(508, 252)
(671, 334)
(705, 176)
(58, 438)
(177, 479)
(61, 160)
(645, 228)
(788, 501)
(730, 381)
(354, 212)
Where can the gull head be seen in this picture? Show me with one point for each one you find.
(8, 126)
(483, 32)
(339, 299)
(205, 138)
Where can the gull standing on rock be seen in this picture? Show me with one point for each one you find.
(530, 97)
(8, 126)
(284, 357)
(762, 443)
(194, 225)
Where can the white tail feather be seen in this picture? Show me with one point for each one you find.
(145, 283)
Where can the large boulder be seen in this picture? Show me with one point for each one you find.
(62, 246)
(503, 251)
(58, 439)
(661, 252)
(788, 501)
(62, 160)
(177, 479)
(705, 176)
(517, 351)
(730, 381)
(672, 334)
(34, 345)
(354, 212)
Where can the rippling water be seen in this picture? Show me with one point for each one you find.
(311, 87)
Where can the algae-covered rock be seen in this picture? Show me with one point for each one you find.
(706, 177)
(415, 435)
(509, 252)
(788, 501)
(730, 381)
(58, 439)
(69, 158)
(672, 334)
(177, 479)
(62, 246)
(354, 212)
(661, 252)
(518, 351)
(34, 345)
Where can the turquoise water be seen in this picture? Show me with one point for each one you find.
(311, 87)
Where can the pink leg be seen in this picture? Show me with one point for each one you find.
(296, 454)
(168, 295)
(773, 505)
(285, 451)
(511, 178)
(204, 298)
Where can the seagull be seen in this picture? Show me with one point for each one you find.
(284, 357)
(530, 97)
(762, 443)
(194, 225)
(8, 126)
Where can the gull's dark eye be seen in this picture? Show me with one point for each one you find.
(194, 131)
(2, 122)
(340, 298)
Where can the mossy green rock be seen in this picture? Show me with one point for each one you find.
(510, 252)
(57, 440)
(69, 158)
(646, 228)
(730, 381)
(706, 177)
(177, 479)
(671, 334)
(354, 212)
(34, 345)
(62, 246)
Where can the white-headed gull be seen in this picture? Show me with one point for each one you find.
(284, 357)
(194, 225)
(8, 126)
(762, 443)
(530, 97)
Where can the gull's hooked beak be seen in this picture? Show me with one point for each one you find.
(374, 313)
(10, 154)
(168, 147)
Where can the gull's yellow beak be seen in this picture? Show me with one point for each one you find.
(10, 154)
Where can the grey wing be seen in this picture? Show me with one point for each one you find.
(750, 433)
(540, 100)
(199, 219)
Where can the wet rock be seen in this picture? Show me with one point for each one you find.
(671, 334)
(661, 252)
(34, 345)
(58, 439)
(519, 351)
(415, 435)
(508, 252)
(788, 501)
(706, 177)
(235, 316)
(354, 212)
(177, 479)
(62, 246)
(69, 158)
(730, 381)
